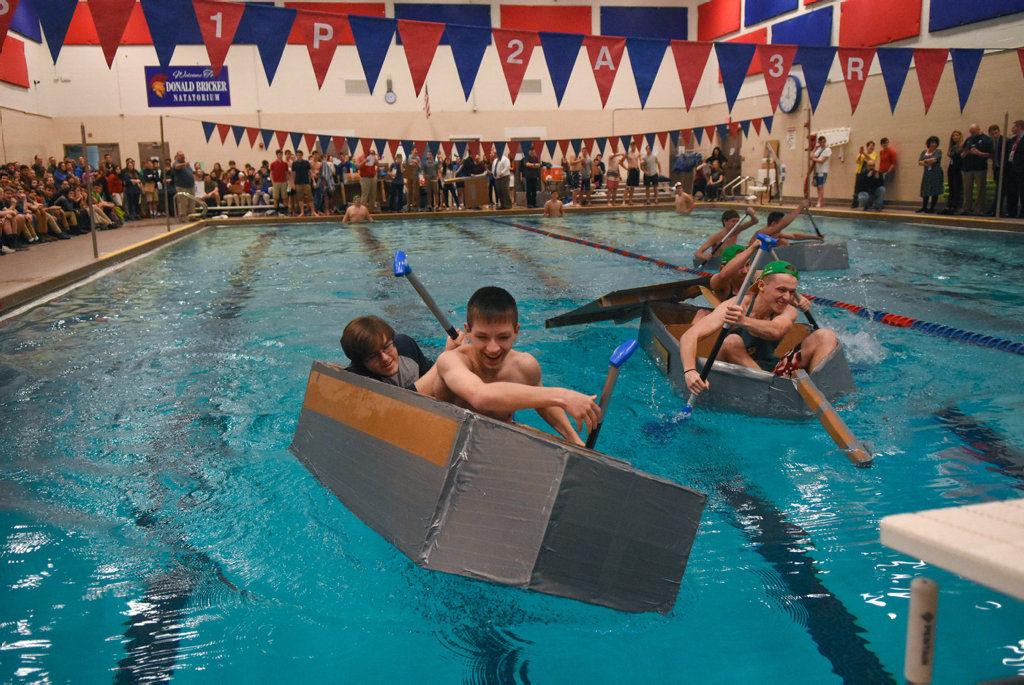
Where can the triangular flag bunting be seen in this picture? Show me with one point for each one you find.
(965, 69)
(514, 51)
(649, 137)
(222, 131)
(208, 128)
(392, 147)
(563, 145)
(239, 132)
(757, 125)
(575, 143)
(710, 130)
(460, 148)
(723, 133)
(419, 146)
(282, 138)
(551, 148)
(5, 18)
(745, 126)
(164, 17)
(513, 147)
(55, 17)
(296, 139)
(321, 32)
(895, 63)
(674, 135)
(733, 61)
(325, 142)
(373, 37)
(605, 54)
(614, 143)
(474, 148)
(434, 146)
(407, 147)
(218, 22)
(1020, 58)
(352, 143)
(538, 147)
(339, 144)
(699, 135)
(929, 63)
(768, 123)
(855, 63)
(468, 45)
(380, 145)
(109, 17)
(419, 40)
(662, 138)
(645, 56)
(625, 140)
(253, 134)
(310, 140)
(691, 58)
(776, 61)
(687, 136)
(367, 145)
(638, 139)
(446, 145)
(560, 52)
(499, 147)
(588, 145)
(816, 63)
(270, 27)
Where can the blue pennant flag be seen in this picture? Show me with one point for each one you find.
(239, 131)
(325, 142)
(674, 137)
(460, 148)
(208, 128)
(625, 140)
(380, 144)
(468, 43)
(650, 140)
(373, 38)
(768, 121)
(353, 144)
(745, 127)
(965, 68)
(698, 133)
(165, 18)
(269, 27)
(500, 145)
(733, 62)
(434, 146)
(407, 147)
(551, 147)
(646, 56)
(601, 143)
(895, 63)
(296, 139)
(267, 135)
(575, 144)
(26, 22)
(816, 63)
(55, 16)
(723, 133)
(560, 53)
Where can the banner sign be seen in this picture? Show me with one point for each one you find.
(187, 87)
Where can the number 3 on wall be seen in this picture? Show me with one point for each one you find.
(515, 45)
(777, 65)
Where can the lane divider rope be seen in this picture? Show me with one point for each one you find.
(881, 316)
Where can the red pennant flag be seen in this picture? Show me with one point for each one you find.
(366, 144)
(420, 39)
(605, 53)
(392, 147)
(710, 131)
(1020, 56)
(339, 144)
(310, 139)
(691, 57)
(514, 50)
(446, 145)
(6, 13)
(218, 22)
(513, 147)
(321, 32)
(756, 121)
(663, 139)
(686, 136)
(538, 148)
(474, 148)
(110, 18)
(614, 142)
(734, 127)
(222, 130)
(855, 63)
(563, 145)
(282, 138)
(776, 61)
(638, 138)
(419, 146)
(929, 63)
(588, 144)
(253, 134)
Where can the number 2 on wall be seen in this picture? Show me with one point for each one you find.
(517, 48)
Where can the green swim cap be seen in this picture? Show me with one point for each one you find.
(730, 252)
(780, 267)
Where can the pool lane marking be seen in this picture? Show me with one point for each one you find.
(553, 282)
(879, 315)
(984, 443)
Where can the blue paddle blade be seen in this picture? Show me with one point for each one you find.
(767, 242)
(687, 411)
(401, 264)
(623, 352)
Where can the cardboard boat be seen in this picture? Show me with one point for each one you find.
(808, 255)
(462, 493)
(735, 388)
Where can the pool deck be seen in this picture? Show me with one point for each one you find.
(30, 275)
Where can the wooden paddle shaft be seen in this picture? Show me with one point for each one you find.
(855, 450)
(606, 399)
(435, 310)
(920, 655)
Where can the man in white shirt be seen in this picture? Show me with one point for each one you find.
(821, 157)
(501, 170)
(652, 172)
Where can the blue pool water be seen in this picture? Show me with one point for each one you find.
(154, 523)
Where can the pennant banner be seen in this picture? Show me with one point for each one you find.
(605, 54)
(698, 133)
(55, 17)
(253, 134)
(373, 38)
(768, 123)
(321, 33)
(325, 142)
(282, 138)
(776, 61)
(380, 145)
(602, 143)
(208, 128)
(296, 139)
(164, 17)
(514, 51)
(7, 10)
(218, 22)
(691, 58)
(560, 52)
(625, 140)
(270, 27)
(468, 45)
(686, 136)
(816, 63)
(352, 143)
(310, 140)
(434, 146)
(419, 40)
(551, 148)
(757, 126)
(645, 56)
(222, 131)
(238, 131)
(856, 63)
(745, 127)
(929, 63)
(733, 61)
(965, 69)
(110, 18)
(895, 63)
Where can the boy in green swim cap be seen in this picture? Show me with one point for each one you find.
(756, 335)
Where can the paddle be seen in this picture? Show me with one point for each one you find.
(722, 241)
(814, 223)
(856, 450)
(767, 243)
(622, 353)
(402, 268)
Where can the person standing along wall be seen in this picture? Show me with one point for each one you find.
(886, 163)
(821, 157)
(931, 177)
(1014, 179)
(976, 151)
(954, 174)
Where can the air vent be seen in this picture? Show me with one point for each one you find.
(530, 85)
(354, 86)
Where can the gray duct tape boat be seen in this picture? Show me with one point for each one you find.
(462, 493)
(663, 319)
(805, 255)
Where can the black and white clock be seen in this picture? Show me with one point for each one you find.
(791, 92)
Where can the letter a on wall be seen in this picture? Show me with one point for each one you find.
(605, 53)
(514, 51)
(856, 63)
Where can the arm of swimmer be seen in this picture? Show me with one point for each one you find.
(775, 329)
(711, 241)
(698, 331)
(554, 416)
(799, 236)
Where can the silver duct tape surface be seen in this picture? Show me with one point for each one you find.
(461, 493)
(737, 388)
(815, 256)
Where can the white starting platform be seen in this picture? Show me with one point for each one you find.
(980, 542)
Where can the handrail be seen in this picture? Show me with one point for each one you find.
(190, 196)
(733, 184)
